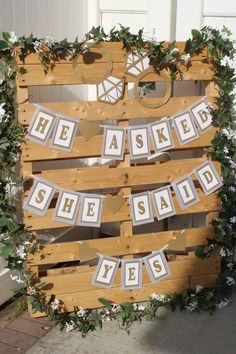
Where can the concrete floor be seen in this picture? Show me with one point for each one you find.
(179, 333)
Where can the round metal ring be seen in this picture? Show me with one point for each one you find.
(160, 100)
(108, 71)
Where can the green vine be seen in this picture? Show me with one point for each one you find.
(16, 239)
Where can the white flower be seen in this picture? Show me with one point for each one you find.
(199, 288)
(12, 189)
(70, 326)
(224, 252)
(49, 40)
(157, 297)
(20, 250)
(233, 219)
(232, 189)
(141, 307)
(38, 45)
(13, 37)
(230, 281)
(209, 35)
(4, 236)
(33, 291)
(229, 133)
(174, 50)
(81, 312)
(224, 35)
(226, 150)
(230, 266)
(115, 308)
(135, 306)
(226, 61)
(191, 306)
(55, 304)
(2, 110)
(223, 303)
(17, 278)
(185, 58)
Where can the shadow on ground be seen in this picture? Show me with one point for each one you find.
(179, 333)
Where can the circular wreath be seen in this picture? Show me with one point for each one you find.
(16, 239)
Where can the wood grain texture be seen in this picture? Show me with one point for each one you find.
(205, 205)
(124, 109)
(73, 284)
(32, 151)
(108, 176)
(69, 251)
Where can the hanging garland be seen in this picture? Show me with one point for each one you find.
(15, 238)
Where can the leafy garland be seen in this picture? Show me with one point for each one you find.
(15, 239)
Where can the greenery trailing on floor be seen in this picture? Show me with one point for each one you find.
(16, 240)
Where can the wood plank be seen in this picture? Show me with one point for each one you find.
(69, 251)
(124, 109)
(89, 299)
(206, 204)
(64, 74)
(70, 283)
(116, 49)
(32, 151)
(109, 177)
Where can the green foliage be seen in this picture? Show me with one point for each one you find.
(15, 239)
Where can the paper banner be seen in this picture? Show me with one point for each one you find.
(89, 129)
(46, 122)
(157, 266)
(90, 210)
(41, 125)
(178, 243)
(141, 208)
(110, 90)
(40, 196)
(208, 177)
(86, 252)
(185, 191)
(161, 135)
(202, 115)
(131, 274)
(163, 202)
(105, 271)
(64, 134)
(114, 203)
(185, 128)
(66, 209)
(139, 142)
(113, 143)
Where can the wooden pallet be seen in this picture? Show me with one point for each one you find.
(72, 284)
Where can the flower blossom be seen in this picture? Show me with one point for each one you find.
(55, 304)
(13, 37)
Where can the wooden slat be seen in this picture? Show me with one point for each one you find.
(64, 74)
(82, 148)
(69, 283)
(69, 251)
(89, 299)
(108, 177)
(206, 204)
(124, 109)
(115, 48)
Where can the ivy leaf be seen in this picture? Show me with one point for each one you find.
(22, 70)
(6, 250)
(3, 44)
(6, 36)
(104, 302)
(196, 33)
